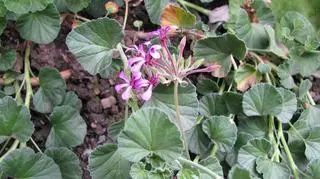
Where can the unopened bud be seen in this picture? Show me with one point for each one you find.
(111, 7)
(138, 24)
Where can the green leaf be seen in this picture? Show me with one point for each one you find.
(257, 127)
(220, 50)
(175, 16)
(253, 34)
(72, 100)
(3, 9)
(313, 168)
(237, 172)
(106, 162)
(222, 131)
(198, 141)
(307, 62)
(25, 6)
(272, 170)
(77, 5)
(138, 171)
(188, 172)
(313, 144)
(263, 12)
(207, 86)
(249, 153)
(68, 128)
(7, 60)
(213, 164)
(300, 131)
(40, 27)
(298, 27)
(24, 163)
(311, 115)
(15, 120)
(304, 88)
(213, 105)
(52, 90)
(289, 104)
(233, 102)
(96, 8)
(67, 161)
(261, 100)
(115, 128)
(3, 24)
(93, 44)
(143, 135)
(162, 97)
(155, 8)
(246, 76)
(285, 72)
(273, 46)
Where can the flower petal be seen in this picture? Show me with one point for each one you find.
(120, 86)
(126, 94)
(147, 94)
(123, 76)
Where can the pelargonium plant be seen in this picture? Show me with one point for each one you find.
(209, 93)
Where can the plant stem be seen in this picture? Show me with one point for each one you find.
(125, 15)
(126, 112)
(123, 56)
(27, 75)
(178, 119)
(17, 91)
(196, 7)
(271, 136)
(310, 99)
(287, 151)
(81, 18)
(12, 148)
(200, 167)
(5, 145)
(296, 131)
(35, 144)
(214, 150)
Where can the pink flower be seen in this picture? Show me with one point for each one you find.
(135, 63)
(152, 82)
(129, 85)
(153, 51)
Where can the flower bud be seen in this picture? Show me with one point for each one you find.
(111, 7)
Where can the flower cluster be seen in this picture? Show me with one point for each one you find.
(150, 64)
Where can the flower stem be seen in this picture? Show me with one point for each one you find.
(271, 137)
(200, 167)
(193, 6)
(125, 15)
(287, 151)
(27, 75)
(310, 99)
(178, 119)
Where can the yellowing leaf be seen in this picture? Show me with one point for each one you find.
(177, 17)
(246, 76)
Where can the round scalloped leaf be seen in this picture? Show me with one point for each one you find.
(285, 72)
(106, 162)
(246, 76)
(263, 12)
(249, 153)
(213, 164)
(25, 6)
(155, 8)
(313, 168)
(307, 62)
(15, 120)
(222, 131)
(24, 163)
(93, 44)
(233, 102)
(298, 27)
(68, 128)
(311, 115)
(177, 17)
(313, 144)
(207, 86)
(253, 34)
(40, 27)
(198, 141)
(7, 59)
(257, 127)
(67, 161)
(304, 88)
(237, 172)
(138, 171)
(52, 90)
(301, 128)
(261, 100)
(272, 170)
(213, 105)
(77, 5)
(188, 172)
(143, 135)
(162, 97)
(220, 50)
(289, 104)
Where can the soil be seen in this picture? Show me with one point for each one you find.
(90, 89)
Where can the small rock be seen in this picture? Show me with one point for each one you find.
(114, 109)
(108, 102)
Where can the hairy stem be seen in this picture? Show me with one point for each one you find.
(125, 15)
(193, 6)
(27, 75)
(200, 167)
(293, 166)
(178, 119)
